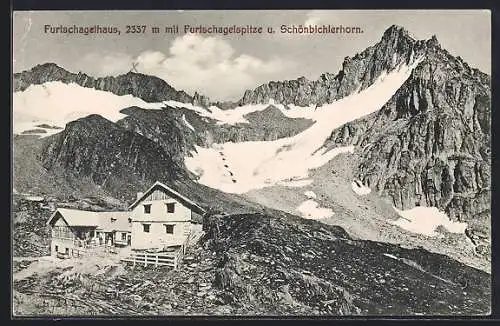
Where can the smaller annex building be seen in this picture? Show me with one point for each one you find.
(74, 230)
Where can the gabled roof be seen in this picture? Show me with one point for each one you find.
(184, 200)
(120, 222)
(100, 220)
(75, 217)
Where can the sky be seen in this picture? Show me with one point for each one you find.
(224, 66)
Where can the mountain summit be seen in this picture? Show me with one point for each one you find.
(395, 48)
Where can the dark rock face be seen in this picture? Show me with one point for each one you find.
(430, 144)
(167, 128)
(147, 88)
(269, 124)
(358, 72)
(163, 127)
(109, 155)
(270, 260)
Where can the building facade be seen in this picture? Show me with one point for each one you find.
(161, 218)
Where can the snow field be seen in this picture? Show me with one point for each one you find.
(258, 164)
(425, 221)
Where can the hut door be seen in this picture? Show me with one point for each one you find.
(109, 239)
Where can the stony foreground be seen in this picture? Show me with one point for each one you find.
(266, 265)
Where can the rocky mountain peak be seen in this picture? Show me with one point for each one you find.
(47, 67)
(396, 32)
(433, 42)
(200, 100)
(395, 47)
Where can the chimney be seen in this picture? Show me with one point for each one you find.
(139, 195)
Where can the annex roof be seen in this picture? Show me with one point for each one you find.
(105, 221)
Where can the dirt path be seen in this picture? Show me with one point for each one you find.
(39, 266)
(93, 263)
(18, 259)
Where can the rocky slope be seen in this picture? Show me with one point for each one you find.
(109, 155)
(32, 236)
(430, 144)
(264, 264)
(269, 259)
(178, 130)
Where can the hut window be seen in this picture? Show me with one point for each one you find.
(169, 228)
(147, 209)
(170, 207)
(124, 236)
(113, 220)
(146, 227)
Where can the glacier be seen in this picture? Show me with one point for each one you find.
(259, 164)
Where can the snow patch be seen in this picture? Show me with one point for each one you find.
(57, 103)
(21, 126)
(425, 221)
(187, 123)
(237, 115)
(34, 198)
(359, 188)
(391, 256)
(231, 117)
(310, 209)
(258, 164)
(295, 183)
(310, 194)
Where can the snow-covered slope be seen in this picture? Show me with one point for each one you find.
(57, 103)
(240, 167)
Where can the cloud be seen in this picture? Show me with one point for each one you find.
(208, 65)
(107, 64)
(314, 17)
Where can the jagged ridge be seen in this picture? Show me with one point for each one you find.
(358, 72)
(145, 87)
